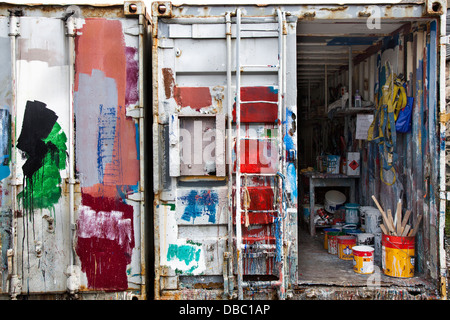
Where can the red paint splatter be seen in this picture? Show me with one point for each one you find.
(194, 97)
(104, 258)
(258, 156)
(132, 90)
(258, 112)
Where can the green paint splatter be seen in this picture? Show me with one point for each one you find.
(43, 189)
(184, 253)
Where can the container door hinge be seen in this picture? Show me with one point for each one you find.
(137, 196)
(135, 112)
(73, 279)
(14, 22)
(444, 117)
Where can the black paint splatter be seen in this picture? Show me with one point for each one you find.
(37, 124)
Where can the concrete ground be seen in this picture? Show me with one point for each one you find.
(318, 267)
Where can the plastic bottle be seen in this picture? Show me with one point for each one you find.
(357, 100)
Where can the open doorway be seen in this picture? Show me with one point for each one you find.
(341, 65)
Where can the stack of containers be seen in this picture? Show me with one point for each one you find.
(373, 233)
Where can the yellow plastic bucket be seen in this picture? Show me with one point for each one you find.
(345, 245)
(398, 256)
(363, 259)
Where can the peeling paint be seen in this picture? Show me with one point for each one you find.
(107, 152)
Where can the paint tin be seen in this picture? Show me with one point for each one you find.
(352, 213)
(362, 216)
(325, 240)
(363, 259)
(345, 245)
(338, 225)
(378, 237)
(333, 200)
(398, 256)
(333, 164)
(349, 227)
(372, 220)
(365, 239)
(353, 232)
(332, 242)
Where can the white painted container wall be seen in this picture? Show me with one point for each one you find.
(71, 181)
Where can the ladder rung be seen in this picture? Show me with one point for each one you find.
(264, 67)
(258, 174)
(258, 246)
(273, 29)
(259, 101)
(259, 139)
(259, 254)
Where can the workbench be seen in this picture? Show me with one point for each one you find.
(318, 179)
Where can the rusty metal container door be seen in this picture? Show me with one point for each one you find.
(195, 155)
(71, 149)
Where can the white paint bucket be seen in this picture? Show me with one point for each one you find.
(372, 220)
(378, 246)
(334, 200)
(365, 239)
(362, 215)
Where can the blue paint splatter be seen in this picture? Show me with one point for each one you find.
(124, 190)
(292, 179)
(5, 144)
(287, 139)
(4, 169)
(106, 134)
(138, 150)
(200, 204)
(273, 90)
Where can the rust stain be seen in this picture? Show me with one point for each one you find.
(169, 81)
(211, 285)
(341, 8)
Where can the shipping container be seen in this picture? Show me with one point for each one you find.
(237, 124)
(261, 112)
(72, 177)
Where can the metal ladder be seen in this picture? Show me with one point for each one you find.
(278, 177)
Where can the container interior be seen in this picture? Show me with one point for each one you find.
(341, 58)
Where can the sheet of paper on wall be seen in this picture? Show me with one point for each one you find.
(363, 122)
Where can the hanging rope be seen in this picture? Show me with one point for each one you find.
(382, 130)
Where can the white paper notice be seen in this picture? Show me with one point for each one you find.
(363, 122)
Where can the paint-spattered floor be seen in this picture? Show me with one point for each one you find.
(318, 267)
